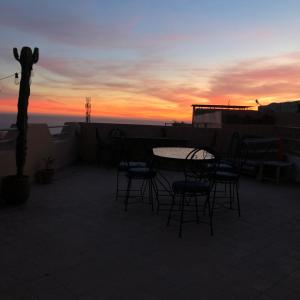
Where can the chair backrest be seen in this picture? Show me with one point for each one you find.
(202, 169)
(234, 146)
(98, 138)
(117, 145)
(213, 142)
(116, 133)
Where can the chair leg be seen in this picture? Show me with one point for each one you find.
(230, 195)
(117, 193)
(204, 208)
(214, 195)
(127, 193)
(155, 189)
(238, 199)
(278, 169)
(196, 207)
(143, 188)
(214, 188)
(150, 194)
(171, 209)
(211, 212)
(181, 215)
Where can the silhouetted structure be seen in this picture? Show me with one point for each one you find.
(211, 115)
(16, 189)
(26, 59)
(282, 107)
(88, 109)
(216, 116)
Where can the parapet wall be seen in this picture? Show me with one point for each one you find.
(41, 144)
(70, 145)
(95, 148)
(96, 135)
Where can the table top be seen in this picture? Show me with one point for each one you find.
(181, 153)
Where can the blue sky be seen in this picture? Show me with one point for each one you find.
(154, 57)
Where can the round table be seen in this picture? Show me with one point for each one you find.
(174, 159)
(181, 153)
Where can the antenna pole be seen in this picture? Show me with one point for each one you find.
(88, 109)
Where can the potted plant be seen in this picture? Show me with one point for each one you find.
(16, 188)
(45, 176)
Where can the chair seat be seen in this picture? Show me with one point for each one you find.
(225, 166)
(183, 186)
(141, 172)
(125, 165)
(226, 176)
(277, 163)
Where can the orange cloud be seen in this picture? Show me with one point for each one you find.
(277, 79)
(145, 90)
(8, 105)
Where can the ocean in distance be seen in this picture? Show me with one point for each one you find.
(7, 119)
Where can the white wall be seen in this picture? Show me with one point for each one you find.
(209, 120)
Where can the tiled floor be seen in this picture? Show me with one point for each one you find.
(74, 241)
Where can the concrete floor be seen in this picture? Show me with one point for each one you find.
(74, 241)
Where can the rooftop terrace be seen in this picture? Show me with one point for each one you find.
(73, 240)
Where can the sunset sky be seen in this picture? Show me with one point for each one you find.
(151, 60)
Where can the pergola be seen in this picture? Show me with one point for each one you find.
(205, 107)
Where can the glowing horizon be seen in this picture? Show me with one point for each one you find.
(151, 62)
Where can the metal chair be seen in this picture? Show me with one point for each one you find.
(228, 160)
(146, 176)
(227, 175)
(123, 168)
(101, 147)
(125, 163)
(198, 182)
(140, 172)
(116, 145)
(230, 182)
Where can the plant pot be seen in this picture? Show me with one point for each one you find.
(15, 189)
(44, 176)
